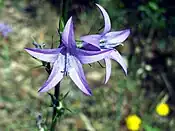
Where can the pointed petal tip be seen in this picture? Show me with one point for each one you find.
(26, 49)
(106, 81)
(68, 34)
(128, 31)
(68, 24)
(126, 72)
(124, 34)
(89, 93)
(70, 19)
(124, 69)
(41, 90)
(108, 69)
(99, 6)
(115, 55)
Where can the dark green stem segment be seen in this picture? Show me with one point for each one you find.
(64, 9)
(56, 104)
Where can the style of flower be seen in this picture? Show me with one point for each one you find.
(40, 46)
(5, 29)
(107, 40)
(67, 60)
(162, 109)
(133, 122)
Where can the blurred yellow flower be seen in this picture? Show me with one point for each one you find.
(162, 109)
(133, 122)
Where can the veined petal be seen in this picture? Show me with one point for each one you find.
(107, 21)
(77, 75)
(87, 57)
(116, 36)
(55, 76)
(108, 69)
(48, 55)
(92, 39)
(68, 34)
(115, 55)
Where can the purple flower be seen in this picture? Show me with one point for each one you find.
(107, 40)
(5, 29)
(67, 60)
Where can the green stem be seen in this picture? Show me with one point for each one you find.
(64, 9)
(56, 94)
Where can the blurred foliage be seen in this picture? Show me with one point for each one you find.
(149, 52)
(1, 3)
(152, 15)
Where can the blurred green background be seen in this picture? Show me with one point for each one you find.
(149, 52)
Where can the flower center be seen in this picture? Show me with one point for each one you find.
(108, 44)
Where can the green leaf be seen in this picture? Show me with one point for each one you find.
(153, 5)
(64, 96)
(150, 128)
(61, 25)
(142, 8)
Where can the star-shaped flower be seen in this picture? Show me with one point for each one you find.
(67, 60)
(107, 40)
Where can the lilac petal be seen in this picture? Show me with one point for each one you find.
(55, 76)
(92, 39)
(87, 57)
(68, 34)
(89, 47)
(108, 69)
(107, 21)
(117, 36)
(48, 55)
(115, 55)
(77, 75)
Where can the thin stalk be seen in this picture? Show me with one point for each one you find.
(56, 104)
